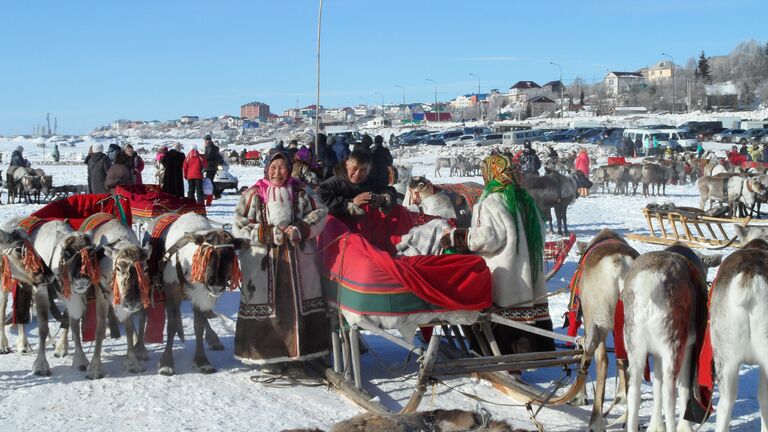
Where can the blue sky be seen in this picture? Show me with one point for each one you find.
(91, 62)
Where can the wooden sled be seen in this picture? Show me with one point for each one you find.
(689, 226)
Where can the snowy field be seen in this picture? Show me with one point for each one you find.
(229, 399)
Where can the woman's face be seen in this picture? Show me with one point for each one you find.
(277, 173)
(129, 151)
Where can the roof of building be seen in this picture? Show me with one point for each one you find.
(540, 99)
(253, 103)
(555, 83)
(626, 74)
(664, 64)
(521, 85)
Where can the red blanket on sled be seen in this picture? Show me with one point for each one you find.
(77, 208)
(149, 201)
(362, 254)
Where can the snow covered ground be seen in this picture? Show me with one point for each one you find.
(229, 399)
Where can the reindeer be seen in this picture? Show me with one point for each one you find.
(635, 172)
(441, 163)
(655, 176)
(665, 298)
(618, 175)
(733, 189)
(21, 263)
(604, 263)
(200, 263)
(553, 191)
(738, 317)
(425, 197)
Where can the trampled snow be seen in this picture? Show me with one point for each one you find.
(228, 399)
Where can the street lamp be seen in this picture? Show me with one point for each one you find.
(437, 109)
(382, 101)
(673, 80)
(561, 86)
(403, 89)
(480, 104)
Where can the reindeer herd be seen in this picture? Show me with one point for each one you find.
(27, 184)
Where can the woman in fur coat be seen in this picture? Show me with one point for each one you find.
(507, 230)
(282, 312)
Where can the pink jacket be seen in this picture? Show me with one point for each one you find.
(582, 163)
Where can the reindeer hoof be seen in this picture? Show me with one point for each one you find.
(166, 371)
(216, 346)
(42, 372)
(5, 350)
(94, 374)
(141, 353)
(134, 367)
(205, 369)
(41, 368)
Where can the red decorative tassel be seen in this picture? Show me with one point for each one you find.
(32, 262)
(235, 281)
(200, 261)
(66, 285)
(7, 278)
(89, 267)
(115, 288)
(143, 284)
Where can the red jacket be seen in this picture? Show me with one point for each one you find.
(736, 159)
(193, 166)
(582, 163)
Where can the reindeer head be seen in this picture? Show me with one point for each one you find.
(129, 280)
(79, 266)
(46, 183)
(420, 188)
(749, 233)
(215, 263)
(20, 261)
(30, 182)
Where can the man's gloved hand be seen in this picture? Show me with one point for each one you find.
(455, 239)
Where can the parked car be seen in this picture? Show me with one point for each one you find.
(489, 139)
(460, 140)
(725, 136)
(588, 134)
(748, 135)
(610, 137)
(708, 133)
(411, 138)
(680, 139)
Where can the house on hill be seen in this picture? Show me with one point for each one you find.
(539, 105)
(618, 83)
(523, 90)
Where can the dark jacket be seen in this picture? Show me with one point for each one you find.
(340, 148)
(112, 151)
(118, 174)
(529, 162)
(338, 192)
(17, 159)
(173, 181)
(98, 167)
(382, 159)
(212, 157)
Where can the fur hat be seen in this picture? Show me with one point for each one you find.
(178, 146)
(19, 149)
(98, 148)
(277, 154)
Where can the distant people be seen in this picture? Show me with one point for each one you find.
(743, 150)
(159, 168)
(699, 150)
(55, 154)
(756, 154)
(98, 166)
(735, 158)
(629, 147)
(280, 146)
(17, 158)
(391, 139)
(113, 150)
(173, 163)
(136, 164)
(329, 157)
(293, 147)
(340, 148)
(581, 164)
(366, 142)
(119, 173)
(530, 164)
(213, 158)
(243, 154)
(382, 161)
(194, 164)
(765, 153)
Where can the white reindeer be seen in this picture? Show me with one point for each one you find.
(739, 321)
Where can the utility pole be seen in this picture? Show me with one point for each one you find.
(673, 80)
(437, 108)
(479, 102)
(55, 124)
(317, 107)
(48, 120)
(561, 86)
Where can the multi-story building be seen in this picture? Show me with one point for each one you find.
(618, 83)
(255, 110)
(661, 70)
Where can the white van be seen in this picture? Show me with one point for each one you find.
(680, 137)
(646, 135)
(522, 137)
